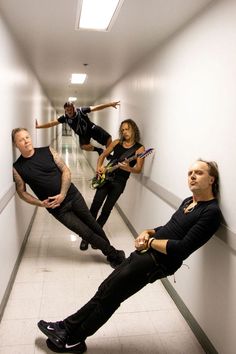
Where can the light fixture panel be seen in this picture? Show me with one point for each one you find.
(97, 15)
(72, 99)
(78, 78)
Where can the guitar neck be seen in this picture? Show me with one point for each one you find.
(113, 168)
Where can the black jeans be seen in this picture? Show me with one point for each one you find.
(127, 279)
(76, 216)
(110, 191)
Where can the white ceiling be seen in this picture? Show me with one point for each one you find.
(46, 32)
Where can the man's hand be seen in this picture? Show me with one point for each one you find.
(100, 171)
(141, 242)
(53, 202)
(124, 165)
(115, 104)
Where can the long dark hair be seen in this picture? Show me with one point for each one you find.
(213, 172)
(133, 126)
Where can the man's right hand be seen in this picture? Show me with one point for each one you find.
(141, 242)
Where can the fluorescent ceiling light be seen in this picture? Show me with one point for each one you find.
(72, 99)
(78, 78)
(97, 14)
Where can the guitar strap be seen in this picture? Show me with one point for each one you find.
(127, 153)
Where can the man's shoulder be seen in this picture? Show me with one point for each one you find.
(61, 119)
(214, 205)
(83, 110)
(211, 210)
(17, 161)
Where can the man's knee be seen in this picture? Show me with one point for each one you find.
(109, 140)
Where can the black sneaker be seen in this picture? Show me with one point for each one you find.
(83, 245)
(116, 259)
(55, 331)
(78, 348)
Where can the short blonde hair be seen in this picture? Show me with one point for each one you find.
(15, 131)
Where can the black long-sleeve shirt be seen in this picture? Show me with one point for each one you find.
(186, 232)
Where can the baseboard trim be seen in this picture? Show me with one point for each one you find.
(15, 269)
(197, 330)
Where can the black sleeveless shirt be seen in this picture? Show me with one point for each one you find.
(41, 173)
(119, 150)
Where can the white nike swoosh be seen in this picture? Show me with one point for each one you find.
(50, 328)
(68, 346)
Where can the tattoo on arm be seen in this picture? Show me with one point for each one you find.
(20, 184)
(21, 190)
(66, 174)
(57, 159)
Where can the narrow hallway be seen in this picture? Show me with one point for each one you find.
(55, 278)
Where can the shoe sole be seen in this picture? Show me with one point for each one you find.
(55, 349)
(52, 336)
(83, 249)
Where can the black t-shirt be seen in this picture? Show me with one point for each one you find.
(41, 173)
(80, 123)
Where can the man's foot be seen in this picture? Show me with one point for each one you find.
(55, 331)
(78, 348)
(83, 245)
(116, 259)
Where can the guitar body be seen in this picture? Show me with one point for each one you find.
(99, 181)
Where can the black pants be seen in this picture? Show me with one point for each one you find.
(97, 133)
(110, 193)
(76, 216)
(131, 276)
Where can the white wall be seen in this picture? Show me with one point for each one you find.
(183, 98)
(21, 101)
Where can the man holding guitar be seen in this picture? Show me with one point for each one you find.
(121, 149)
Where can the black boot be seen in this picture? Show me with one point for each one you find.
(83, 245)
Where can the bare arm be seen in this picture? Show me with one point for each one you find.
(66, 174)
(46, 125)
(106, 152)
(21, 190)
(104, 105)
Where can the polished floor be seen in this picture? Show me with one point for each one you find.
(55, 278)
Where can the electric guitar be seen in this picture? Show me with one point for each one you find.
(99, 181)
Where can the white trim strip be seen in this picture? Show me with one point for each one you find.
(4, 200)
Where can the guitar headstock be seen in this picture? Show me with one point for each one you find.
(147, 152)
